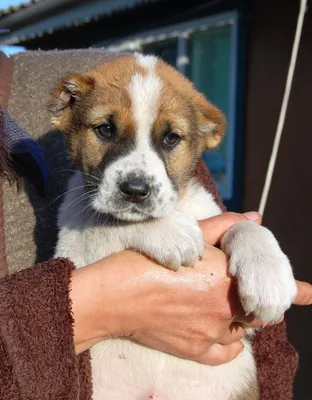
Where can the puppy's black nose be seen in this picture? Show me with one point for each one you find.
(135, 190)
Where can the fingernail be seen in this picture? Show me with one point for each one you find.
(252, 215)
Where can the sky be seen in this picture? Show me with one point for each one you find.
(8, 3)
(8, 50)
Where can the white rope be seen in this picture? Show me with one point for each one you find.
(282, 116)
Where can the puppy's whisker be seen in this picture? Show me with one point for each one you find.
(100, 171)
(106, 219)
(83, 173)
(80, 212)
(88, 206)
(91, 212)
(92, 176)
(81, 198)
(68, 191)
(86, 197)
(97, 214)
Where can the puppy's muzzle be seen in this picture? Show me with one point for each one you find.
(135, 189)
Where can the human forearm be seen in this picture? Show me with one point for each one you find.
(99, 298)
(91, 319)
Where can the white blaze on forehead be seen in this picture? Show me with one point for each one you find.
(144, 91)
(147, 62)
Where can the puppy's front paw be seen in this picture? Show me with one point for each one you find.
(178, 240)
(264, 275)
(270, 288)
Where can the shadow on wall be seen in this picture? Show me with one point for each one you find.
(45, 208)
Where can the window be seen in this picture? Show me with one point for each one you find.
(204, 50)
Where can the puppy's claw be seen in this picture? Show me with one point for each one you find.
(173, 267)
(189, 265)
(184, 244)
(173, 264)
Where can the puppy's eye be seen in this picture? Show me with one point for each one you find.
(171, 139)
(106, 131)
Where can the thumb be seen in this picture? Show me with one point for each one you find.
(304, 296)
(215, 227)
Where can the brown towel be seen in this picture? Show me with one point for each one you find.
(37, 353)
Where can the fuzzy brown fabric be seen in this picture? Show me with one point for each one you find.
(277, 363)
(37, 352)
(6, 74)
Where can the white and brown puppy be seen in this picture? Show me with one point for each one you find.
(136, 129)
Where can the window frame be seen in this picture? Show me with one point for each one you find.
(181, 32)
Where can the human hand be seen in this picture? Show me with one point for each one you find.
(304, 296)
(193, 313)
(223, 222)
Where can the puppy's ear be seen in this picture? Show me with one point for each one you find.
(211, 122)
(67, 93)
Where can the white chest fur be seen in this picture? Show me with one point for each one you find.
(122, 369)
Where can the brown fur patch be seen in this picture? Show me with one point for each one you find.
(177, 115)
(103, 88)
(206, 113)
(187, 113)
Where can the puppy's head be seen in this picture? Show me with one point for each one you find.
(136, 128)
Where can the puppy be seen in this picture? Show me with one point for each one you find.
(136, 129)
